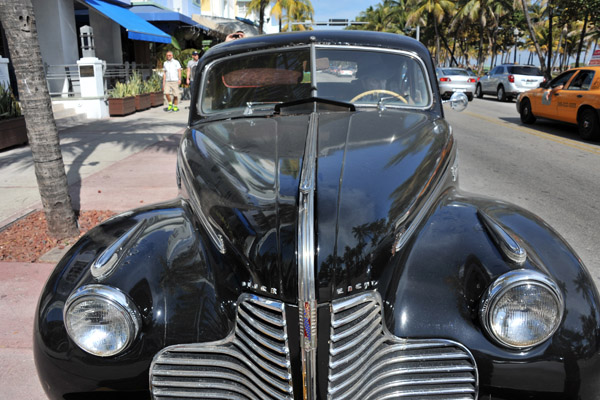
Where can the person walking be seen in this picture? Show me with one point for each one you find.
(171, 81)
(191, 65)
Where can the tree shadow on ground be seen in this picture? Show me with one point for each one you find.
(115, 135)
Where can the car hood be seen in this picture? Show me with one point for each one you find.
(373, 170)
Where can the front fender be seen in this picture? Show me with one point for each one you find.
(449, 264)
(168, 267)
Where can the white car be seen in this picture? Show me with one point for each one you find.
(507, 81)
(451, 80)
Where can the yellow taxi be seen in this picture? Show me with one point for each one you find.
(573, 97)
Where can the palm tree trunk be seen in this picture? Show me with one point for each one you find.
(452, 59)
(480, 54)
(585, 21)
(538, 50)
(261, 16)
(550, 18)
(21, 34)
(437, 41)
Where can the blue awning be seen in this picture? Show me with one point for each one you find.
(137, 28)
(157, 14)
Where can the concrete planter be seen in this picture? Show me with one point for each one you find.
(121, 106)
(12, 132)
(156, 98)
(143, 102)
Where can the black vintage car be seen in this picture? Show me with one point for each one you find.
(320, 249)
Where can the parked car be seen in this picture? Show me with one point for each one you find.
(320, 248)
(572, 97)
(345, 72)
(507, 81)
(452, 80)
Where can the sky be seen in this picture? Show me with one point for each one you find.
(345, 9)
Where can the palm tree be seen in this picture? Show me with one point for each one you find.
(295, 10)
(485, 14)
(589, 9)
(437, 10)
(377, 19)
(259, 7)
(298, 10)
(534, 39)
(18, 21)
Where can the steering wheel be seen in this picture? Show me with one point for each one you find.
(381, 91)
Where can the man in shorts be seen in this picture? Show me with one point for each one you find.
(171, 81)
(191, 65)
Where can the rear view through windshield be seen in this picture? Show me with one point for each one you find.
(520, 70)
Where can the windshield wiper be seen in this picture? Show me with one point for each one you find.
(322, 104)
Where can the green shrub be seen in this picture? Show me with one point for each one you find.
(136, 84)
(9, 106)
(120, 91)
(154, 83)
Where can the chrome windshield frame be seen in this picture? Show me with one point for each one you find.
(314, 48)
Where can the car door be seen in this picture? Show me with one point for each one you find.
(544, 103)
(574, 95)
(496, 78)
(485, 81)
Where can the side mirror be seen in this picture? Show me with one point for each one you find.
(543, 85)
(458, 101)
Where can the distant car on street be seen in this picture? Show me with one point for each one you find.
(345, 72)
(507, 81)
(452, 80)
(572, 97)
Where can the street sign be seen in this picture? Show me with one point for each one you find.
(595, 58)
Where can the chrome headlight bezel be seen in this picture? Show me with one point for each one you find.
(507, 282)
(113, 297)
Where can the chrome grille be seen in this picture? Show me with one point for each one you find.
(253, 362)
(368, 362)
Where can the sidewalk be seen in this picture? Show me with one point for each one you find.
(113, 164)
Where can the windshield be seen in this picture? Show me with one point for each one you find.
(461, 72)
(264, 79)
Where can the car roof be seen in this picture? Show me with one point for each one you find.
(594, 67)
(354, 38)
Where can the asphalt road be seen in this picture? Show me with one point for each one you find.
(543, 167)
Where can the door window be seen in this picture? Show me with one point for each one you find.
(561, 79)
(582, 81)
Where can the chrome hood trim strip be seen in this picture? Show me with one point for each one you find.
(307, 300)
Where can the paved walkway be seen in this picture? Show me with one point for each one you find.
(113, 164)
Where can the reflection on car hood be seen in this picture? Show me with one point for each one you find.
(370, 169)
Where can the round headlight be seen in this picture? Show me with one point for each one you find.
(101, 320)
(522, 309)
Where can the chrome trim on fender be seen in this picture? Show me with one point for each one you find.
(307, 300)
(505, 242)
(104, 265)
